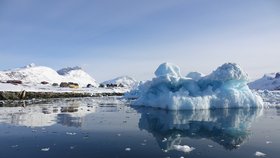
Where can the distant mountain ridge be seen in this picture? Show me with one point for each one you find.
(124, 80)
(36, 74)
(269, 81)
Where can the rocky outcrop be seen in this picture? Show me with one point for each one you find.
(23, 95)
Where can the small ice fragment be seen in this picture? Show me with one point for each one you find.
(258, 153)
(183, 148)
(210, 146)
(164, 140)
(182, 157)
(144, 140)
(127, 149)
(72, 147)
(178, 135)
(14, 146)
(119, 134)
(45, 149)
(268, 142)
(222, 140)
(165, 151)
(143, 144)
(71, 133)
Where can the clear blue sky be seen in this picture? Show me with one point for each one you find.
(109, 38)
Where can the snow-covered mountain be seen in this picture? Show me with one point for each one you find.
(77, 74)
(36, 74)
(269, 81)
(124, 80)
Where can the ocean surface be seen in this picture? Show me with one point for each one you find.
(109, 127)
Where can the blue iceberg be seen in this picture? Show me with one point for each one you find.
(226, 87)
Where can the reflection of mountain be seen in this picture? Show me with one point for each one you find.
(30, 117)
(227, 127)
(70, 114)
(67, 112)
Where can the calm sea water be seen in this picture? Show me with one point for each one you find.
(109, 127)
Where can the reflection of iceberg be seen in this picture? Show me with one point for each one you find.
(227, 127)
(226, 87)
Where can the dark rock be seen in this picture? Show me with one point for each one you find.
(277, 75)
(73, 85)
(63, 84)
(102, 85)
(44, 82)
(89, 86)
(120, 85)
(14, 82)
(69, 109)
(55, 84)
(111, 85)
(22, 94)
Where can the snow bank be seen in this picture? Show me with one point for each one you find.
(226, 87)
(267, 82)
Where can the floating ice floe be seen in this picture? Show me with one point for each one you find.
(127, 149)
(183, 148)
(226, 87)
(45, 149)
(71, 133)
(260, 154)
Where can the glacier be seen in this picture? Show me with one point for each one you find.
(226, 87)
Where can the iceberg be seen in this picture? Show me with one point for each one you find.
(226, 87)
(195, 75)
